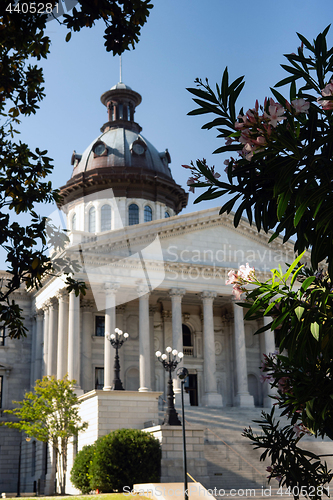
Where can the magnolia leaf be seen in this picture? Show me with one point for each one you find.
(299, 312)
(315, 330)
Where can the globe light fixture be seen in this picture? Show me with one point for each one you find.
(170, 362)
(117, 339)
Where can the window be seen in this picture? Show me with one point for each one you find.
(148, 214)
(92, 220)
(105, 218)
(2, 336)
(187, 337)
(133, 214)
(99, 378)
(166, 215)
(100, 326)
(1, 389)
(74, 222)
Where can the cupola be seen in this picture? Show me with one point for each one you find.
(121, 158)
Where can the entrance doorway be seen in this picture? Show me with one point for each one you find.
(191, 387)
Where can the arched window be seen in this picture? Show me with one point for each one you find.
(166, 214)
(74, 222)
(105, 218)
(187, 336)
(133, 214)
(92, 220)
(148, 213)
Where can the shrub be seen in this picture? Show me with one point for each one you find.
(80, 475)
(123, 458)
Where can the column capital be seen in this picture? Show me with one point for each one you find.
(87, 305)
(45, 306)
(39, 313)
(143, 290)
(206, 294)
(177, 292)
(111, 287)
(62, 294)
(121, 309)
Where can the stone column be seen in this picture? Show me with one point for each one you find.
(269, 347)
(212, 397)
(74, 339)
(32, 331)
(110, 325)
(87, 383)
(62, 358)
(177, 330)
(152, 310)
(53, 338)
(144, 340)
(243, 397)
(45, 337)
(39, 345)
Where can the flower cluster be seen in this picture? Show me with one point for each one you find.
(273, 473)
(244, 275)
(326, 92)
(300, 430)
(257, 126)
(197, 174)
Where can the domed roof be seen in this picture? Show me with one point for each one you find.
(123, 159)
(118, 149)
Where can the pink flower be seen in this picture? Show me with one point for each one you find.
(300, 429)
(283, 384)
(190, 181)
(300, 106)
(269, 469)
(237, 291)
(233, 278)
(275, 112)
(248, 151)
(326, 92)
(246, 272)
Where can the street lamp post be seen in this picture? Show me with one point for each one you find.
(170, 362)
(117, 340)
(183, 374)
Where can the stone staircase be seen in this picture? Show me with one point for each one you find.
(232, 461)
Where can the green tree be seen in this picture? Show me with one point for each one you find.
(50, 414)
(282, 180)
(123, 458)
(23, 173)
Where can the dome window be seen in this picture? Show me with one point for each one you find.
(74, 222)
(105, 218)
(133, 214)
(166, 214)
(148, 214)
(92, 220)
(138, 148)
(99, 149)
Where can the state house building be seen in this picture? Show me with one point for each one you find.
(150, 271)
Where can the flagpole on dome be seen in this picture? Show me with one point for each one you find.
(120, 69)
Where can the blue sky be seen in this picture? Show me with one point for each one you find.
(182, 40)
